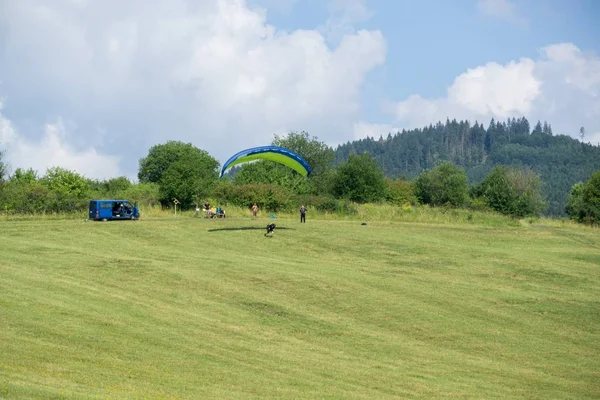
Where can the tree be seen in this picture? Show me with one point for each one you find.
(575, 206)
(161, 156)
(512, 191)
(269, 172)
(189, 179)
(118, 185)
(537, 129)
(3, 168)
(583, 203)
(24, 177)
(591, 199)
(2, 176)
(359, 179)
(560, 160)
(445, 184)
(527, 186)
(66, 183)
(182, 171)
(318, 155)
(67, 190)
(399, 192)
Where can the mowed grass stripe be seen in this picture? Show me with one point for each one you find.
(187, 308)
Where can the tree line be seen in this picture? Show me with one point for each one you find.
(560, 160)
(180, 170)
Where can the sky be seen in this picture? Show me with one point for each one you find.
(92, 85)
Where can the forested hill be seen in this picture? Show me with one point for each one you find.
(560, 160)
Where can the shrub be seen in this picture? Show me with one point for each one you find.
(511, 191)
(583, 203)
(269, 197)
(328, 204)
(445, 184)
(359, 179)
(399, 192)
(479, 204)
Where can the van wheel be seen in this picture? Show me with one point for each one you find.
(104, 220)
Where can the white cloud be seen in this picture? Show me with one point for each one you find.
(362, 130)
(496, 89)
(345, 14)
(503, 9)
(7, 131)
(53, 150)
(561, 87)
(284, 7)
(212, 72)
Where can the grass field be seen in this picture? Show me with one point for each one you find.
(189, 308)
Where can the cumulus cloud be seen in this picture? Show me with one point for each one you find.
(52, 150)
(7, 132)
(212, 72)
(345, 14)
(561, 87)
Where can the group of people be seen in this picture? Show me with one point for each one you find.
(302, 212)
(211, 212)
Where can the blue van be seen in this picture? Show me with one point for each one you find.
(104, 210)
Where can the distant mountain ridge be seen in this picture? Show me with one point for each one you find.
(560, 160)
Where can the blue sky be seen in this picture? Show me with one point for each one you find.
(430, 42)
(91, 86)
(422, 34)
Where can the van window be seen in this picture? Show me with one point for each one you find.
(105, 205)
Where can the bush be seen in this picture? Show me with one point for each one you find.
(512, 192)
(268, 197)
(479, 204)
(66, 184)
(583, 203)
(146, 194)
(328, 204)
(37, 198)
(359, 179)
(399, 192)
(272, 173)
(62, 191)
(445, 184)
(591, 199)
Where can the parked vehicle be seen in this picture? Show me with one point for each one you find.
(104, 210)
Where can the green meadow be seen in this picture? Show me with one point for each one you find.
(191, 308)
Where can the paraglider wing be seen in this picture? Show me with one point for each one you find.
(273, 153)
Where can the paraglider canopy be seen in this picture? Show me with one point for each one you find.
(277, 154)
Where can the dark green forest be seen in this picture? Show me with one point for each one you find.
(560, 160)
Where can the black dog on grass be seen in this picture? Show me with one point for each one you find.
(270, 229)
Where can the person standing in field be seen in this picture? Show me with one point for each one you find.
(302, 214)
(254, 210)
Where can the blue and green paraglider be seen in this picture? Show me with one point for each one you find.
(277, 154)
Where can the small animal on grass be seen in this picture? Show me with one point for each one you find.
(270, 229)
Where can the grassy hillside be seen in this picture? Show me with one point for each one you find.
(194, 308)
